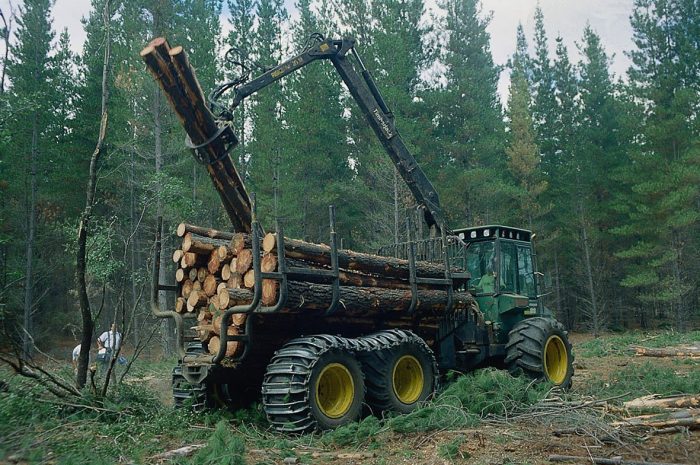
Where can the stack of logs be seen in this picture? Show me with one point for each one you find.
(215, 273)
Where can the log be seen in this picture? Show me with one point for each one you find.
(209, 285)
(177, 255)
(268, 263)
(196, 299)
(197, 286)
(214, 302)
(204, 315)
(184, 228)
(204, 331)
(215, 343)
(235, 281)
(224, 298)
(201, 245)
(172, 72)
(602, 460)
(239, 242)
(355, 261)
(244, 261)
(180, 275)
(190, 260)
(249, 279)
(666, 352)
(221, 170)
(186, 288)
(180, 305)
(202, 274)
(656, 401)
(224, 253)
(193, 274)
(226, 272)
(370, 300)
(269, 292)
(239, 296)
(214, 263)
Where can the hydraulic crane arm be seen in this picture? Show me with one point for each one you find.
(365, 92)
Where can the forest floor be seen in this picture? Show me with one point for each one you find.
(484, 418)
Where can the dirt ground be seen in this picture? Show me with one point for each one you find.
(530, 442)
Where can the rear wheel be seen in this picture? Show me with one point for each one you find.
(311, 383)
(400, 371)
(539, 348)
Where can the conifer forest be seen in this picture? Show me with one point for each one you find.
(603, 168)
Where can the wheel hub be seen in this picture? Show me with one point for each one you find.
(407, 379)
(555, 360)
(335, 390)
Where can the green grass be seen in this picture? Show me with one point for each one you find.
(643, 379)
(619, 344)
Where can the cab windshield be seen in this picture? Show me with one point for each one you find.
(481, 263)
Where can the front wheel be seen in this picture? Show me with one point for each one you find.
(539, 348)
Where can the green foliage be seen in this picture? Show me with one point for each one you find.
(487, 392)
(224, 448)
(362, 433)
(451, 450)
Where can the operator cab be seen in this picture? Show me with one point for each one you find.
(500, 260)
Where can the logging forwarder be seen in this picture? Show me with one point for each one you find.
(319, 331)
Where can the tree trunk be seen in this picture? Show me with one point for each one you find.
(81, 262)
(27, 342)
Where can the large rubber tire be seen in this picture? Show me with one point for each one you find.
(400, 371)
(312, 383)
(205, 395)
(539, 348)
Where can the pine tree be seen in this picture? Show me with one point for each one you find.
(663, 222)
(470, 128)
(522, 150)
(544, 105)
(31, 73)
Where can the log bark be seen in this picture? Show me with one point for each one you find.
(178, 81)
(201, 245)
(355, 261)
(184, 228)
(667, 352)
(601, 460)
(654, 401)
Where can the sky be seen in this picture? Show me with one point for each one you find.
(609, 18)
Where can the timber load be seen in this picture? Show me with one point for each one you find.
(215, 272)
(209, 140)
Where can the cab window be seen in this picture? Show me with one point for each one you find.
(526, 276)
(481, 263)
(509, 268)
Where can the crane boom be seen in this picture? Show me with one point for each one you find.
(380, 118)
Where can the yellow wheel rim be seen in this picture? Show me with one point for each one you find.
(407, 379)
(335, 390)
(556, 360)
